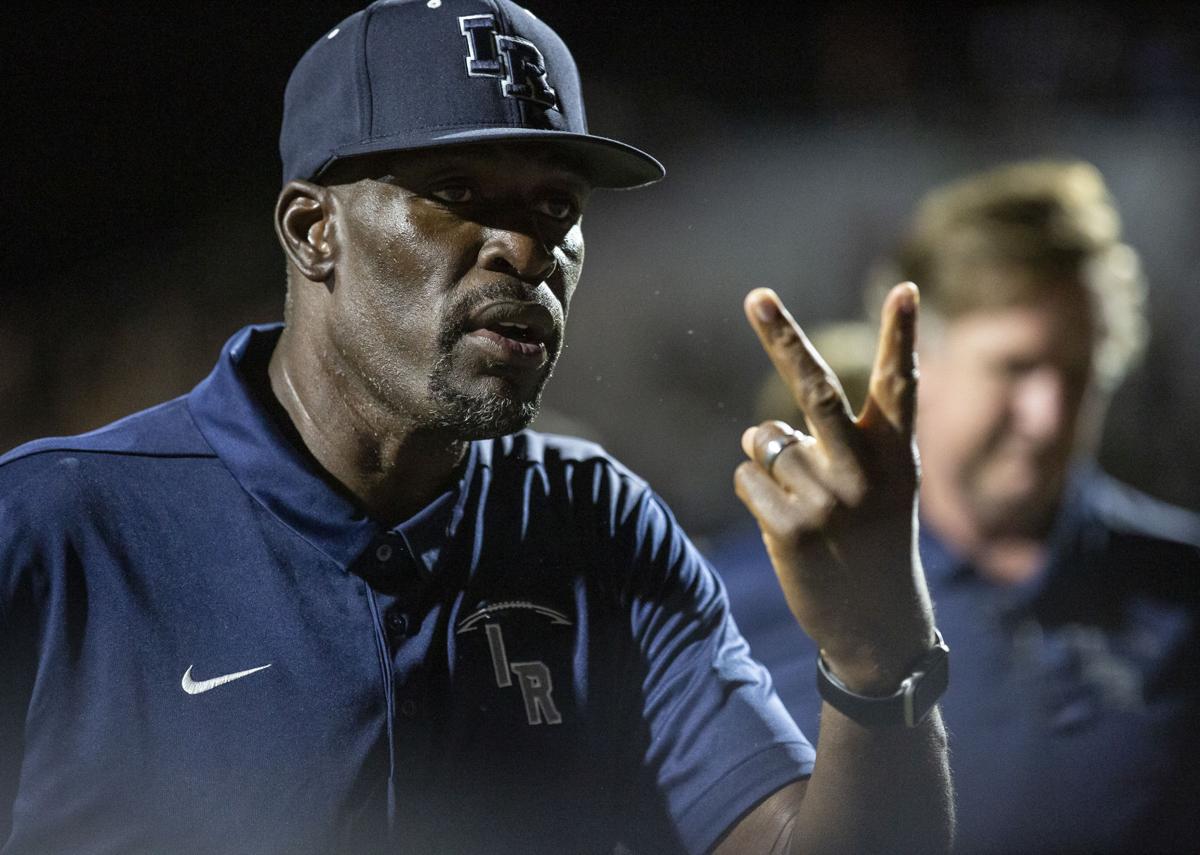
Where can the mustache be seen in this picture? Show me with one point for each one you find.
(458, 317)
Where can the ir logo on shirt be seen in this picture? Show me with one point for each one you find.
(537, 686)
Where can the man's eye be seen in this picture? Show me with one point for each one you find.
(557, 209)
(455, 194)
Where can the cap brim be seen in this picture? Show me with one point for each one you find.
(608, 163)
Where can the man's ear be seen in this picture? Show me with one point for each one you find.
(303, 222)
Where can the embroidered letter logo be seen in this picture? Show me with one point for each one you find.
(537, 687)
(516, 62)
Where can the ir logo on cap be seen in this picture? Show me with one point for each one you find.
(515, 62)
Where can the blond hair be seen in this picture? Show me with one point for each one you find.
(1055, 220)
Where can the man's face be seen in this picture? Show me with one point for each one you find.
(450, 294)
(1002, 394)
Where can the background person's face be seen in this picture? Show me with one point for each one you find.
(1003, 395)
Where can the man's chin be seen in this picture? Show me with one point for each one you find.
(482, 403)
(502, 425)
(1026, 513)
(483, 414)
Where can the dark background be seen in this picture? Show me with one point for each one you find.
(141, 169)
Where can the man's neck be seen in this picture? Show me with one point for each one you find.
(388, 467)
(1005, 559)
(1010, 561)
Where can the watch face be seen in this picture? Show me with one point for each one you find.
(929, 687)
(909, 705)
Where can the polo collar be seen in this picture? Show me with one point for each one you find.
(1072, 531)
(286, 482)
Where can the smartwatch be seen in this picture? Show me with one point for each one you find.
(908, 705)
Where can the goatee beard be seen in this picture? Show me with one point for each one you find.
(468, 416)
(481, 416)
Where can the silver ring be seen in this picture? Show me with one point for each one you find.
(775, 448)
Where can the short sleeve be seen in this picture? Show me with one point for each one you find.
(18, 560)
(720, 739)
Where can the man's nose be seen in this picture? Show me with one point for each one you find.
(518, 252)
(1040, 404)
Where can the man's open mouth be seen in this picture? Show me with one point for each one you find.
(519, 330)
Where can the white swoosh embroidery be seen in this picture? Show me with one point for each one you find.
(194, 687)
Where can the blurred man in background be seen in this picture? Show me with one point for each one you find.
(1072, 600)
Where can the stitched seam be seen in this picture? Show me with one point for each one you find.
(516, 111)
(150, 455)
(366, 104)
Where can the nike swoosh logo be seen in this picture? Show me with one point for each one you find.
(196, 687)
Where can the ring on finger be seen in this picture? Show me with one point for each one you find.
(775, 448)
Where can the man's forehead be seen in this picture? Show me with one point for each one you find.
(1052, 327)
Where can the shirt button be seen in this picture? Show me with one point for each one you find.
(398, 623)
(384, 552)
(409, 708)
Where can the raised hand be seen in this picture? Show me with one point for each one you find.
(837, 506)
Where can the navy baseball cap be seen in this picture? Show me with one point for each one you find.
(415, 74)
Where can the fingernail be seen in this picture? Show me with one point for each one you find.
(765, 309)
(912, 298)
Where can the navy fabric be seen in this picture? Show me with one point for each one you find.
(395, 76)
(194, 539)
(1074, 700)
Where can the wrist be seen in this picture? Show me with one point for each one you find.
(875, 666)
(908, 702)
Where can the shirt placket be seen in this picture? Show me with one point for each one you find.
(399, 586)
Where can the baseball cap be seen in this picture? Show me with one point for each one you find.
(414, 74)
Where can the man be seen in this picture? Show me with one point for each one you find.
(336, 600)
(1073, 601)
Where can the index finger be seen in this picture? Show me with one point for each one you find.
(814, 386)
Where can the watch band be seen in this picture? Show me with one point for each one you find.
(908, 705)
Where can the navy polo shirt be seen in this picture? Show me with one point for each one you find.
(1074, 700)
(208, 648)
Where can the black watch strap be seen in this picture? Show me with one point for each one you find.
(908, 705)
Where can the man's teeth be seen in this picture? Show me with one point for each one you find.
(515, 331)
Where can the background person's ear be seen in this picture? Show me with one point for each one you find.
(304, 227)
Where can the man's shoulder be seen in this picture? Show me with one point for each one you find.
(1130, 513)
(33, 473)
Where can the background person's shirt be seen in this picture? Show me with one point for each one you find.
(207, 648)
(1074, 701)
